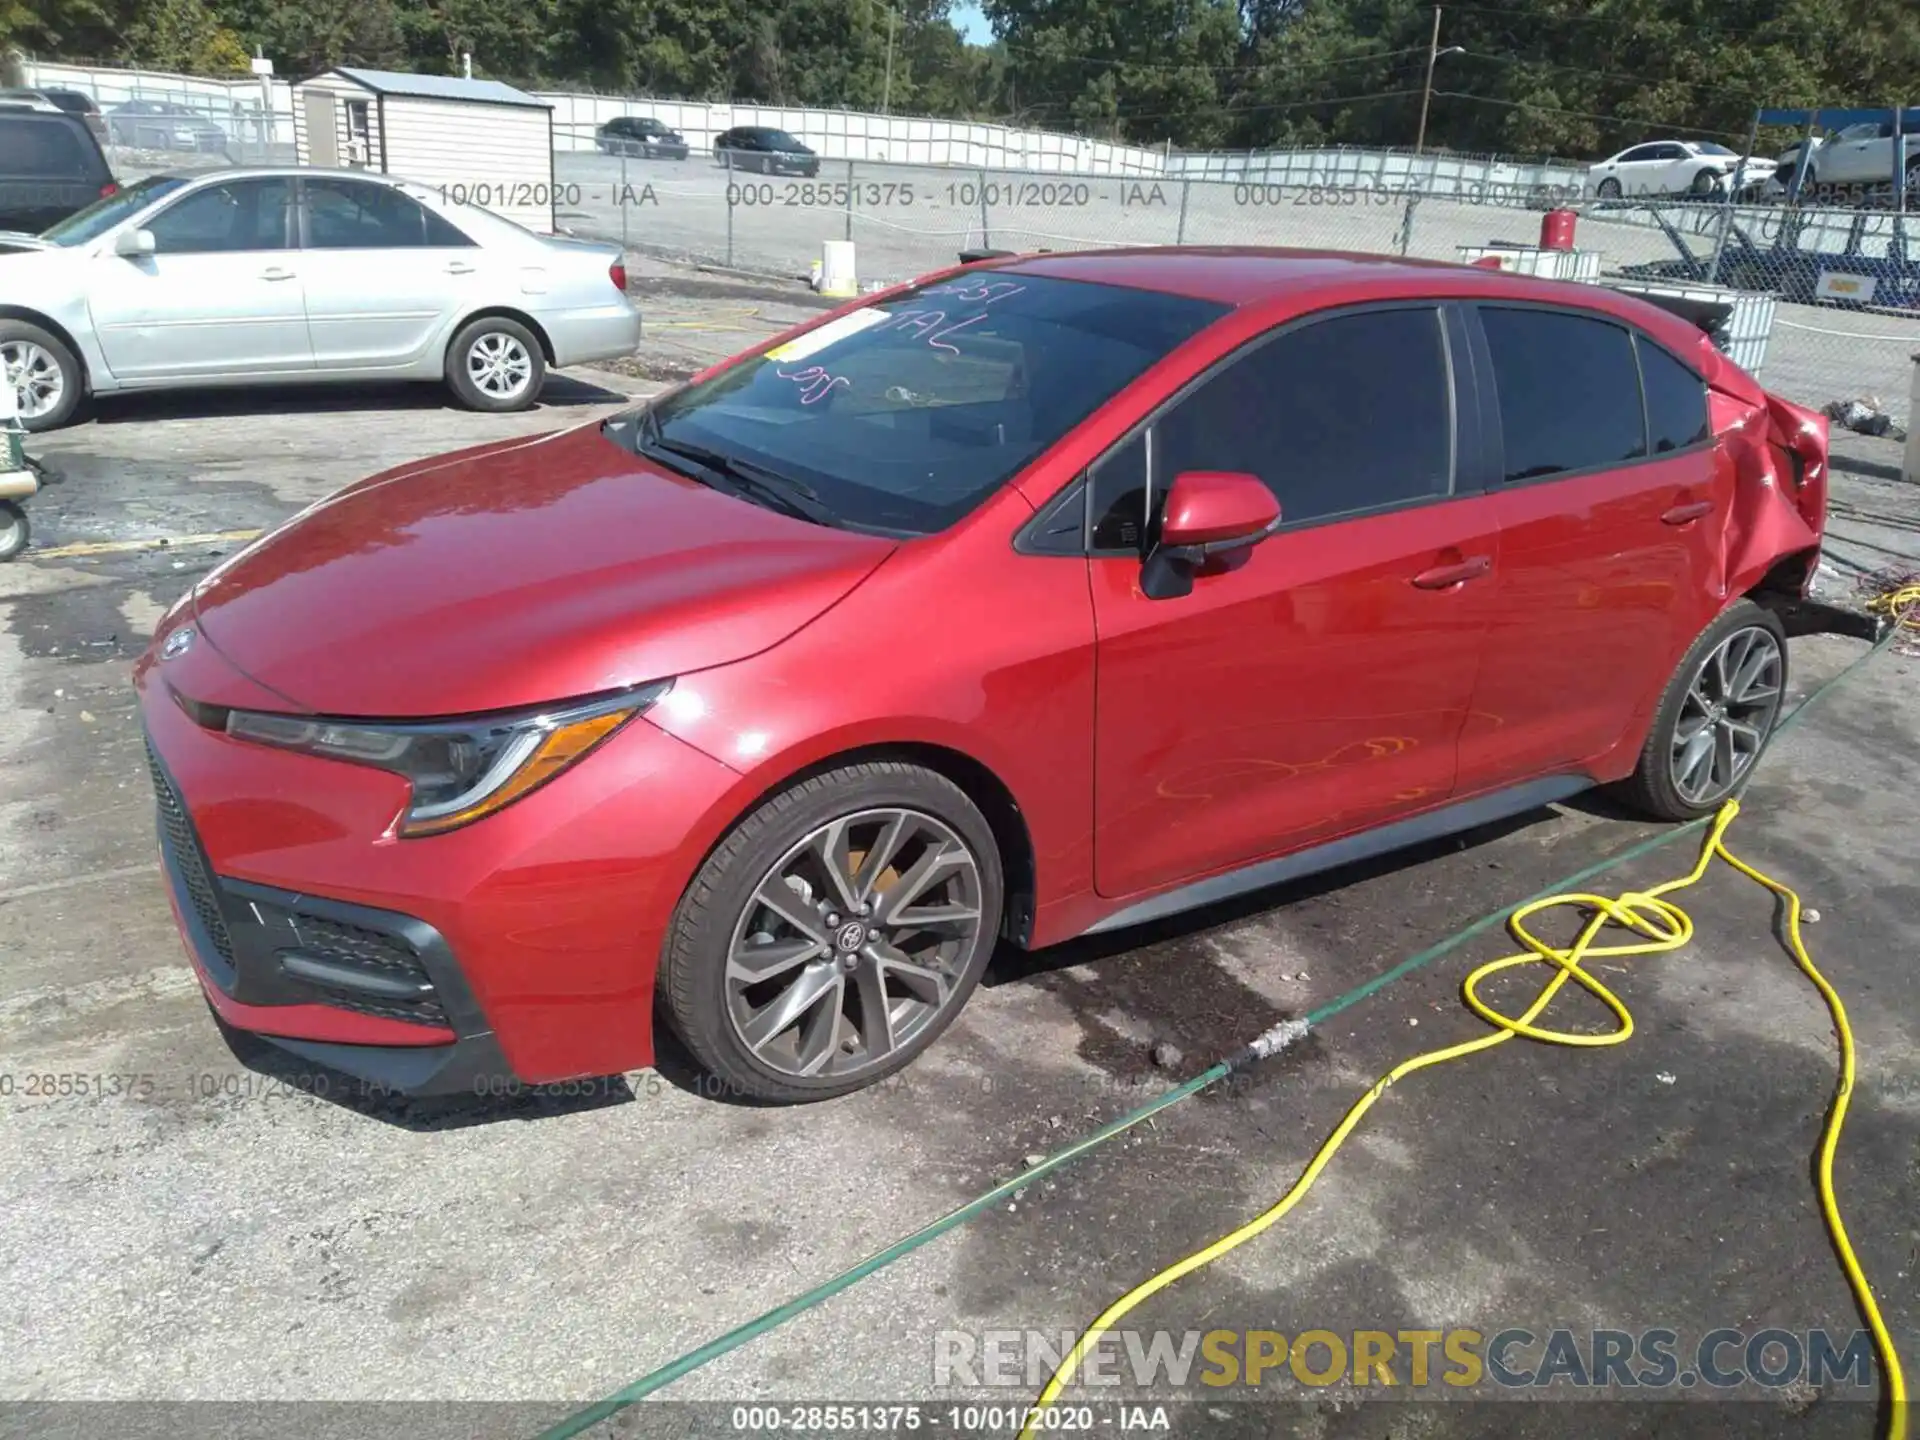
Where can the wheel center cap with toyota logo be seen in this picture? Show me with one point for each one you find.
(849, 938)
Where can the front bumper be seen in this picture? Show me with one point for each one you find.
(519, 948)
(325, 979)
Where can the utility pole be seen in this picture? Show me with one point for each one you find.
(886, 93)
(1426, 94)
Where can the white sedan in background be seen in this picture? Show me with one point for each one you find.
(284, 276)
(1676, 167)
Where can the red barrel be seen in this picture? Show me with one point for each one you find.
(1556, 230)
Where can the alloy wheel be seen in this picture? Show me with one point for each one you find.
(1727, 714)
(499, 365)
(854, 943)
(35, 376)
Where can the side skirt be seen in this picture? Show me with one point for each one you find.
(1447, 820)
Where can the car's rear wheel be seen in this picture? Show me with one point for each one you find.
(495, 364)
(1609, 189)
(1715, 717)
(14, 532)
(834, 934)
(45, 375)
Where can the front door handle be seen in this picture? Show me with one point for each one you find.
(276, 273)
(1688, 513)
(1445, 577)
(459, 267)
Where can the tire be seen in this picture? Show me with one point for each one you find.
(1752, 645)
(45, 372)
(14, 532)
(1609, 189)
(1704, 183)
(801, 1031)
(494, 364)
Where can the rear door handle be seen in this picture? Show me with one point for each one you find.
(459, 267)
(276, 273)
(1688, 513)
(1444, 577)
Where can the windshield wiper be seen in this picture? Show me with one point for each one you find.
(742, 477)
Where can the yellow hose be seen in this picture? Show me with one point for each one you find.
(1665, 927)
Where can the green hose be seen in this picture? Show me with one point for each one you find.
(693, 1359)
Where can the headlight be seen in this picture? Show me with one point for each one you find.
(460, 770)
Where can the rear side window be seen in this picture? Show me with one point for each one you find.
(1569, 392)
(1346, 414)
(1676, 400)
(46, 149)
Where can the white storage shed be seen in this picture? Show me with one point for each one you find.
(483, 142)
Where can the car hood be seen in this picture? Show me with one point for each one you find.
(516, 574)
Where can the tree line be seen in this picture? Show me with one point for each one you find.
(1567, 78)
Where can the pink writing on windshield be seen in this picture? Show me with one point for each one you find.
(815, 382)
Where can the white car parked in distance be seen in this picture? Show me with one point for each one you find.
(1675, 167)
(283, 276)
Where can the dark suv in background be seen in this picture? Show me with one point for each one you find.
(761, 148)
(640, 135)
(74, 102)
(50, 165)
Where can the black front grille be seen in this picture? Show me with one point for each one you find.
(187, 859)
(376, 952)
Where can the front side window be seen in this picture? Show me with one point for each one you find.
(1343, 415)
(903, 417)
(243, 215)
(359, 215)
(1569, 391)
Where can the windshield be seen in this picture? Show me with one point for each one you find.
(104, 214)
(780, 140)
(902, 417)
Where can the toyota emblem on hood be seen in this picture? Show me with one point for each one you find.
(178, 643)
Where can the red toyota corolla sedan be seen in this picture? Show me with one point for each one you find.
(1035, 598)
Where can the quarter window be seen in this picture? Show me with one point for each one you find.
(1676, 400)
(1342, 415)
(1569, 392)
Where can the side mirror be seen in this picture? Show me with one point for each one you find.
(1208, 513)
(133, 243)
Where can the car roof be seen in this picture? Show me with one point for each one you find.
(1246, 276)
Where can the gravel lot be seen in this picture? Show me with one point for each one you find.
(219, 1237)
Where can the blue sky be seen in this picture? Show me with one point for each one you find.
(972, 23)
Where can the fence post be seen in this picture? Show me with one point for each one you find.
(621, 198)
(1726, 211)
(852, 192)
(1180, 236)
(728, 154)
(986, 235)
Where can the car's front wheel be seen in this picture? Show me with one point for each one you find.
(1715, 716)
(834, 934)
(14, 531)
(495, 364)
(1705, 183)
(44, 373)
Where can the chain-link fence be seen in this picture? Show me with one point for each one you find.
(1845, 281)
(1843, 270)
